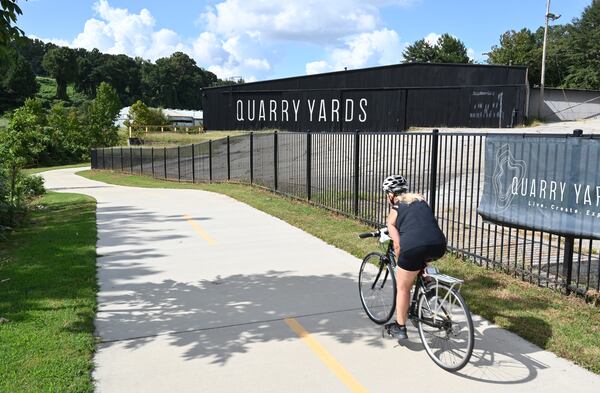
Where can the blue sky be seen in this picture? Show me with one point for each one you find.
(267, 39)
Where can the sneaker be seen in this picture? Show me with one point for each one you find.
(397, 331)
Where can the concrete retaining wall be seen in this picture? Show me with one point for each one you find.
(565, 104)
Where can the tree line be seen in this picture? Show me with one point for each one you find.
(173, 81)
(572, 58)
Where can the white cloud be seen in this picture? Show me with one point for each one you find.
(432, 38)
(476, 56)
(119, 31)
(241, 34)
(245, 38)
(237, 56)
(317, 67)
(55, 41)
(471, 54)
(379, 47)
(306, 21)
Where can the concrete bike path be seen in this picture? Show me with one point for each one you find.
(202, 293)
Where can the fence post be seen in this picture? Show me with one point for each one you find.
(356, 171)
(152, 159)
(178, 164)
(141, 161)
(112, 158)
(210, 177)
(308, 165)
(103, 158)
(433, 168)
(569, 246)
(275, 159)
(165, 161)
(193, 164)
(228, 159)
(122, 168)
(251, 157)
(568, 262)
(130, 159)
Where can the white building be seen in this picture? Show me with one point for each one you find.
(176, 117)
(182, 117)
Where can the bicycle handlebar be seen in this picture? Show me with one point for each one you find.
(376, 233)
(369, 234)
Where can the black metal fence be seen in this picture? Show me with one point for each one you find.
(343, 172)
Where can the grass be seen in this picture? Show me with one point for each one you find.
(47, 88)
(33, 171)
(47, 92)
(166, 139)
(567, 326)
(48, 294)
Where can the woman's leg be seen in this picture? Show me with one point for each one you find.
(404, 280)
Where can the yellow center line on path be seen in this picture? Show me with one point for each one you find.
(339, 370)
(199, 230)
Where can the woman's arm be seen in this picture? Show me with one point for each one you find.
(393, 231)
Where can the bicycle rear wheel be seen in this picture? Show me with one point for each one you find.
(377, 288)
(445, 327)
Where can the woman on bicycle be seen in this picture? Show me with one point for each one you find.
(417, 239)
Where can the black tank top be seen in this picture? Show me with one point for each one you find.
(417, 226)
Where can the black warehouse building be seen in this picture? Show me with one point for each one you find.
(389, 98)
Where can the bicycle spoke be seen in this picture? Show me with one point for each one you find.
(377, 289)
(451, 344)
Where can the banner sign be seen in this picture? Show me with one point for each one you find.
(549, 184)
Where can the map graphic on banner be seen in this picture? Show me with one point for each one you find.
(549, 184)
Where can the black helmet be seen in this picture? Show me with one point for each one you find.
(395, 184)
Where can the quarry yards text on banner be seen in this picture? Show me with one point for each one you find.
(550, 184)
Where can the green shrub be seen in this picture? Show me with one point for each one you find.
(30, 186)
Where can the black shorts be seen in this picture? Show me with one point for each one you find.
(416, 258)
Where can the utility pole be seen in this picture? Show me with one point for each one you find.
(549, 16)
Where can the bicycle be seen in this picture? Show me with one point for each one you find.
(437, 309)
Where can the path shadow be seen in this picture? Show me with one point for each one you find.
(222, 317)
(501, 357)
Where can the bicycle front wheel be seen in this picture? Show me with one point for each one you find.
(445, 327)
(377, 287)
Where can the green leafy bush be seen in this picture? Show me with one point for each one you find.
(30, 186)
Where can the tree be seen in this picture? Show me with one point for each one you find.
(122, 73)
(20, 145)
(141, 115)
(447, 49)
(150, 83)
(419, 52)
(100, 117)
(33, 50)
(20, 81)
(61, 63)
(518, 48)
(584, 50)
(8, 17)
(178, 81)
(67, 140)
(450, 50)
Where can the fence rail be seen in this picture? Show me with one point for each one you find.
(343, 172)
(144, 129)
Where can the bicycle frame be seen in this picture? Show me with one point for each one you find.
(420, 288)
